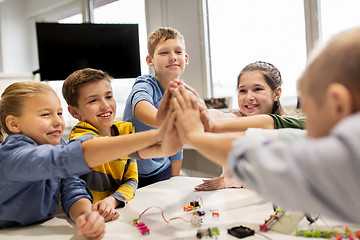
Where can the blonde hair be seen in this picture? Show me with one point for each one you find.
(337, 62)
(160, 35)
(77, 79)
(13, 100)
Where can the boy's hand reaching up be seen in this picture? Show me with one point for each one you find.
(91, 225)
(171, 143)
(165, 103)
(187, 114)
(106, 208)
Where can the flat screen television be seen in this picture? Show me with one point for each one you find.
(64, 48)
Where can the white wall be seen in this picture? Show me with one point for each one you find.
(15, 38)
(187, 17)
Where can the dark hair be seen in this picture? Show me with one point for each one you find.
(74, 81)
(272, 77)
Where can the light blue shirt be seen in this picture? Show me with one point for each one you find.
(147, 88)
(312, 175)
(32, 178)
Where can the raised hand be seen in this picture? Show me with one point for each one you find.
(164, 106)
(187, 113)
(171, 143)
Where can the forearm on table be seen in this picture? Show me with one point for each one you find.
(242, 124)
(80, 207)
(102, 150)
(213, 146)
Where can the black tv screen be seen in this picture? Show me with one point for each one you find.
(64, 48)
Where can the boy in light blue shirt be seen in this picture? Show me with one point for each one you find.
(166, 54)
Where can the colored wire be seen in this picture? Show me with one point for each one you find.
(202, 204)
(162, 214)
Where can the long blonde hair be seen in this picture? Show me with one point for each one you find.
(13, 99)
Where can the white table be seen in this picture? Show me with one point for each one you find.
(235, 206)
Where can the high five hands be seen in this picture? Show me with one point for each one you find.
(188, 110)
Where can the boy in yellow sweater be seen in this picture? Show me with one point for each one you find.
(90, 100)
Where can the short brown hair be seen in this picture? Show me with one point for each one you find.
(162, 34)
(13, 100)
(77, 79)
(337, 62)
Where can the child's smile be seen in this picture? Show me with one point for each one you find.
(251, 106)
(97, 106)
(169, 59)
(42, 120)
(254, 94)
(105, 115)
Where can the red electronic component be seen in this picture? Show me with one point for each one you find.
(215, 214)
(273, 218)
(143, 229)
(188, 208)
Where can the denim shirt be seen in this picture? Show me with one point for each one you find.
(32, 178)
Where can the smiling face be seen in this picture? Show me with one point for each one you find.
(96, 105)
(169, 59)
(42, 119)
(254, 94)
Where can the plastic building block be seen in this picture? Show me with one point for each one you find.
(143, 229)
(316, 233)
(273, 219)
(215, 214)
(208, 232)
(199, 213)
(195, 204)
(188, 208)
(196, 221)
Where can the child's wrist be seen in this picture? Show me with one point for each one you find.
(158, 136)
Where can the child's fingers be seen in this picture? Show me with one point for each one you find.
(103, 208)
(194, 102)
(167, 116)
(95, 206)
(80, 222)
(204, 116)
(176, 105)
(180, 99)
(97, 231)
(110, 215)
(166, 96)
(171, 123)
(202, 104)
(187, 95)
(116, 216)
(94, 227)
(191, 89)
(106, 211)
